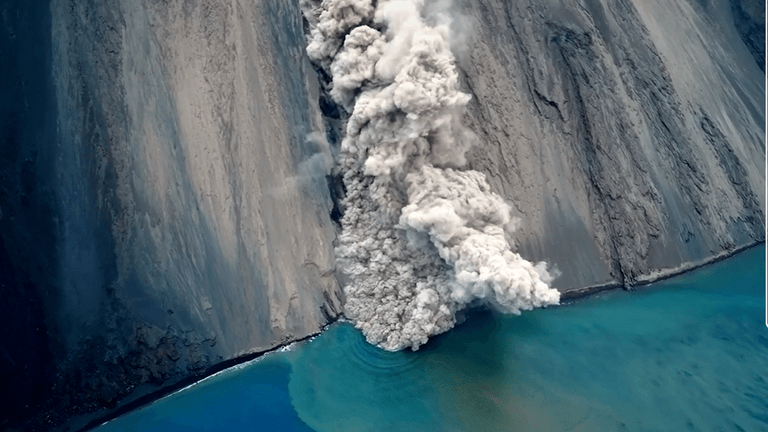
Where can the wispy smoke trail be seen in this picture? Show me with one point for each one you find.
(420, 238)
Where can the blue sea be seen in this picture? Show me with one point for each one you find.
(686, 354)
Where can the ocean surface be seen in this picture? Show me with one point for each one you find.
(685, 354)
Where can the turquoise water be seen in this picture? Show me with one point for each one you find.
(687, 354)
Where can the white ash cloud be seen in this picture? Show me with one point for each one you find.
(311, 170)
(421, 238)
(466, 222)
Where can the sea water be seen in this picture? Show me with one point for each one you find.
(686, 354)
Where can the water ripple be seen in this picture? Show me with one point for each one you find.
(378, 361)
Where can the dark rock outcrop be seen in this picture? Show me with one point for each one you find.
(749, 20)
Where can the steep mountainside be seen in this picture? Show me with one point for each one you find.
(628, 135)
(180, 214)
(165, 197)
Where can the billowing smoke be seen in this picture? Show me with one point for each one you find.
(421, 239)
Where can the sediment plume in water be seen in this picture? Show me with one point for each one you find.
(421, 238)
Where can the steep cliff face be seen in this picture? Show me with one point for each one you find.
(628, 135)
(166, 208)
(184, 218)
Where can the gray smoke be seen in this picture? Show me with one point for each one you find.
(421, 239)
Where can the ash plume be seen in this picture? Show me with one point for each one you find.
(421, 238)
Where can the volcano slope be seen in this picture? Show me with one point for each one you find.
(167, 199)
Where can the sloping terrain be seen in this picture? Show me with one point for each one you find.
(180, 214)
(629, 136)
(164, 199)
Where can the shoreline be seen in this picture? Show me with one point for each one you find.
(567, 297)
(657, 276)
(155, 395)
